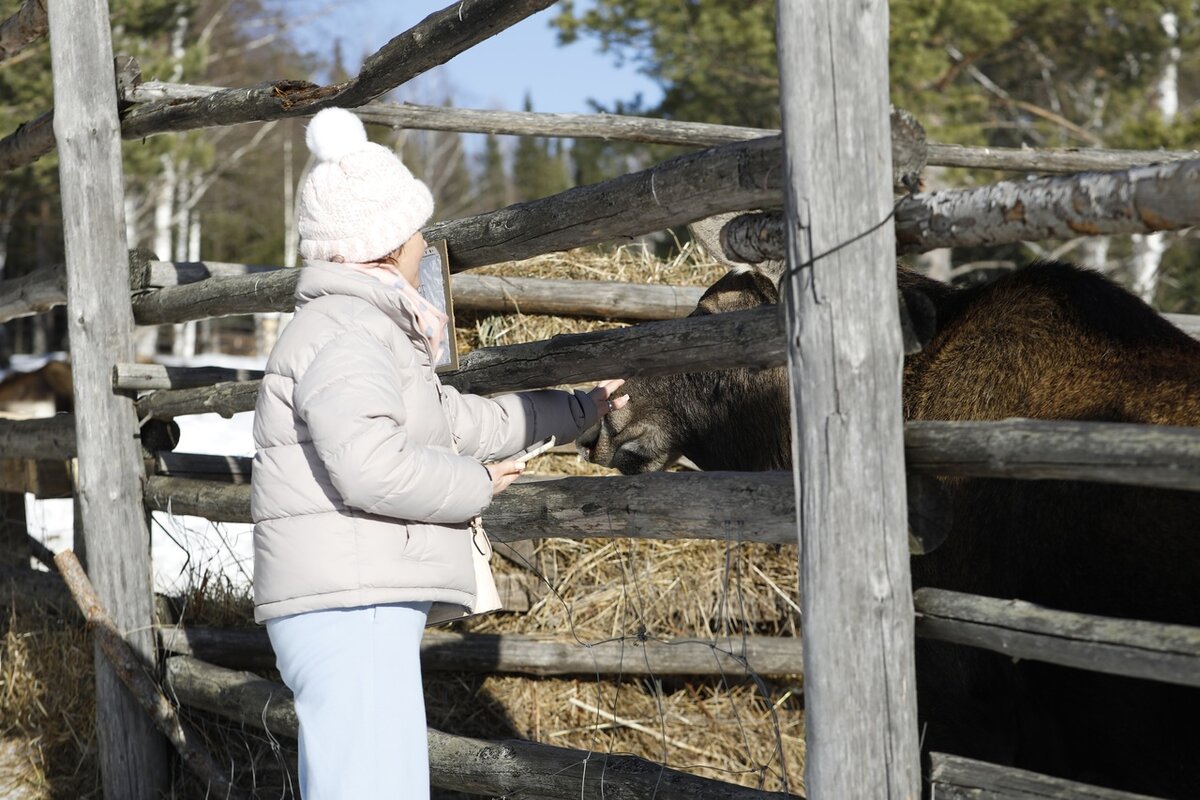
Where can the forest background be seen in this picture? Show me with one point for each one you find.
(1008, 73)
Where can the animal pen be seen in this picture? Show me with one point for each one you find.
(830, 170)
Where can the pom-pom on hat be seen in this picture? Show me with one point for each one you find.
(359, 201)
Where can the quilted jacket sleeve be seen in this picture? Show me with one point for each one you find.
(494, 428)
(356, 417)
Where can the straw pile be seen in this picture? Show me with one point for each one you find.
(595, 590)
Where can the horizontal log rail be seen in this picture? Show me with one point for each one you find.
(1151, 650)
(46, 438)
(721, 341)
(957, 778)
(750, 507)
(262, 289)
(757, 506)
(1107, 452)
(26, 26)
(488, 653)
(433, 41)
(1147, 650)
(698, 134)
(143, 377)
(476, 766)
(1138, 200)
(734, 177)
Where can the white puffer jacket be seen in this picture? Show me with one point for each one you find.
(358, 494)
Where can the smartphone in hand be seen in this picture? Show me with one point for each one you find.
(535, 449)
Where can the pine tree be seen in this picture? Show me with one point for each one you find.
(494, 189)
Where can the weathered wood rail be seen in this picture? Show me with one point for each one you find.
(957, 778)
(1139, 649)
(527, 654)
(1136, 455)
(262, 289)
(457, 762)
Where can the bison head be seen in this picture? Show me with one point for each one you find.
(696, 414)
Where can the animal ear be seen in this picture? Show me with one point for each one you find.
(918, 319)
(738, 290)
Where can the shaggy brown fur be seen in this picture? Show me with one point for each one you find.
(1051, 341)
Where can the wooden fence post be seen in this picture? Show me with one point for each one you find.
(845, 365)
(133, 754)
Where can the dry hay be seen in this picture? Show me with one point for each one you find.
(596, 590)
(47, 705)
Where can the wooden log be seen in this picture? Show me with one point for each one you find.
(44, 437)
(733, 177)
(845, 361)
(273, 289)
(29, 142)
(163, 274)
(1066, 160)
(23, 28)
(433, 41)
(225, 399)
(34, 293)
(1136, 455)
(694, 134)
(750, 507)
(957, 778)
(487, 653)
(198, 466)
(604, 299)
(711, 342)
(461, 763)
(1138, 200)
(218, 297)
(134, 674)
(141, 377)
(133, 754)
(1155, 651)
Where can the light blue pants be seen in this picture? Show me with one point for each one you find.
(356, 675)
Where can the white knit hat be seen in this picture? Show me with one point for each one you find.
(359, 202)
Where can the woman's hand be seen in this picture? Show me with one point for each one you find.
(603, 397)
(503, 474)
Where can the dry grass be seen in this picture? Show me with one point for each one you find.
(598, 589)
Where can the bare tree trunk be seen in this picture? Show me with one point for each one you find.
(1146, 262)
(184, 345)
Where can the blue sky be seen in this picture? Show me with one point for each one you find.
(494, 74)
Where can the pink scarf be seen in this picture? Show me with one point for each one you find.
(431, 320)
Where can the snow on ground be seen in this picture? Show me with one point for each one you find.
(184, 550)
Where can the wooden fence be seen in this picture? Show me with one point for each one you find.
(740, 169)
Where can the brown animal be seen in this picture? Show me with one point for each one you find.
(1050, 341)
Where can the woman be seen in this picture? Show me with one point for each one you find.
(369, 472)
